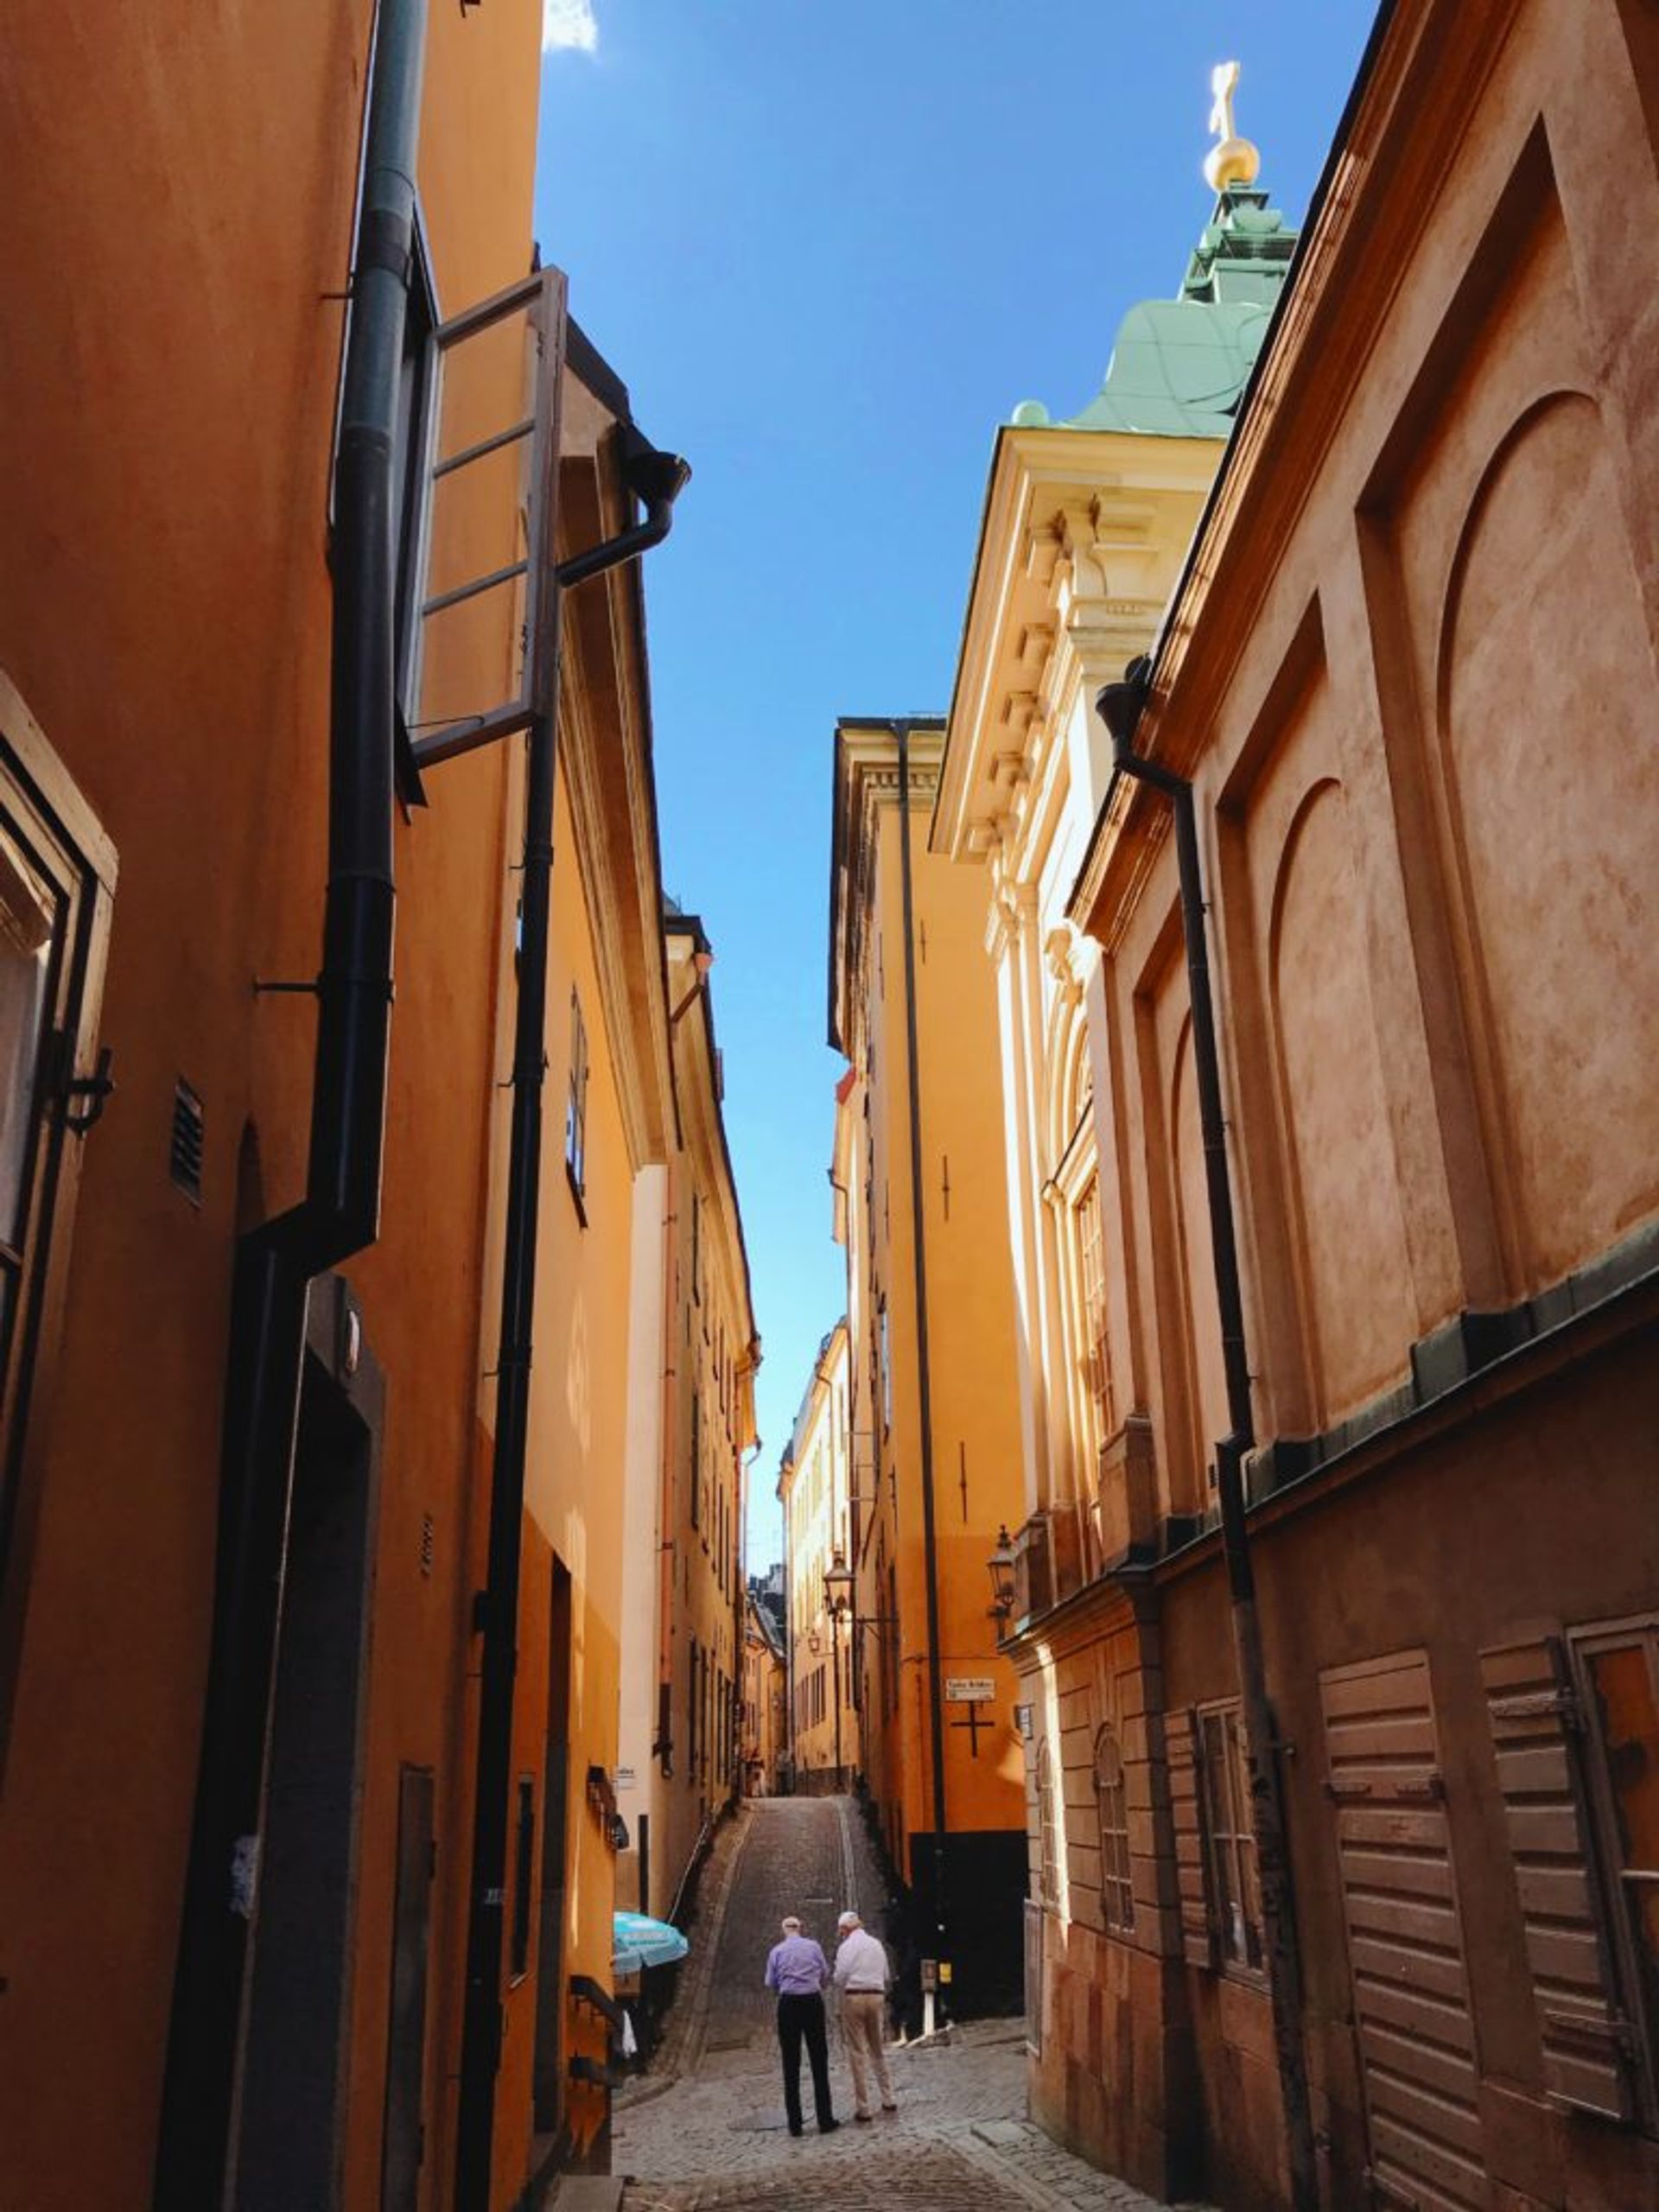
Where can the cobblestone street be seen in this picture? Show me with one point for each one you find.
(705, 2128)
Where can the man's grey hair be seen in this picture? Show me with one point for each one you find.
(791, 1925)
(849, 1919)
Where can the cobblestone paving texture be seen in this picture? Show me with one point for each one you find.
(705, 2132)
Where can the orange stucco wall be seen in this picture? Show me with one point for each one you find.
(177, 236)
(1424, 811)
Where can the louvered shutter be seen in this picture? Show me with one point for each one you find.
(1538, 1728)
(1197, 1925)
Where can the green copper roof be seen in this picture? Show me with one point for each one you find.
(1180, 366)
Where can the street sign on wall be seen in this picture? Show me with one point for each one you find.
(968, 1689)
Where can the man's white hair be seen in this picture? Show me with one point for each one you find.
(791, 1925)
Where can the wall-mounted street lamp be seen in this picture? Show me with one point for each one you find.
(1001, 1564)
(838, 1597)
(838, 1585)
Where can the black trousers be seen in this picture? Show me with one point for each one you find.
(800, 2016)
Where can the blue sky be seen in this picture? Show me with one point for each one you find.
(829, 244)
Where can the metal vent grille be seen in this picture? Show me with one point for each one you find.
(184, 1163)
(428, 1541)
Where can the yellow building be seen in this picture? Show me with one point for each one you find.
(763, 1737)
(814, 1486)
(1085, 526)
(920, 1178)
(692, 1424)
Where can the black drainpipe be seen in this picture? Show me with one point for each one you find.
(1120, 706)
(658, 479)
(340, 1213)
(924, 1372)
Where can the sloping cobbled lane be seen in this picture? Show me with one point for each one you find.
(705, 2132)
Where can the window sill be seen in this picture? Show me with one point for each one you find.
(1254, 1978)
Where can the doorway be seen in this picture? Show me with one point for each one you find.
(549, 1958)
(290, 2135)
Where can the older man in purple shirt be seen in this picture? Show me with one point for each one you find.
(797, 1970)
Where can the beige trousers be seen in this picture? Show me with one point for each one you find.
(864, 2024)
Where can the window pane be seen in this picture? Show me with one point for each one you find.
(1629, 1713)
(1249, 1888)
(1095, 1351)
(29, 916)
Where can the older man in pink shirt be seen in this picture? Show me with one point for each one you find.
(800, 1972)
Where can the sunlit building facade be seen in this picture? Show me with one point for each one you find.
(919, 1177)
(815, 1489)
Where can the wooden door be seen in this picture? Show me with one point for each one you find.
(1412, 2021)
(404, 2146)
(551, 1997)
(290, 2141)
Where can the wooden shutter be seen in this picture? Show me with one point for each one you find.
(1537, 1727)
(1416, 2035)
(1198, 1924)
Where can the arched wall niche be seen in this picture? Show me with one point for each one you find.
(1549, 773)
(1348, 1233)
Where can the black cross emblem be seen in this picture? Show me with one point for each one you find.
(973, 1724)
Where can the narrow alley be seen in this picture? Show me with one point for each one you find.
(705, 2128)
(635, 1305)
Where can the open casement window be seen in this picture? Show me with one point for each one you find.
(475, 582)
(57, 879)
(1091, 1275)
(696, 1457)
(884, 1352)
(412, 476)
(1233, 1889)
(576, 1107)
(1575, 1723)
(1111, 1804)
(1075, 1184)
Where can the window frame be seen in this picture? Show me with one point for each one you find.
(575, 1109)
(413, 484)
(1049, 1816)
(523, 1869)
(1116, 1868)
(1636, 1990)
(57, 829)
(696, 1457)
(884, 1364)
(1225, 1848)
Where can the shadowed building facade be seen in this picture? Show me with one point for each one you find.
(1385, 1260)
(689, 1430)
(814, 1487)
(265, 1521)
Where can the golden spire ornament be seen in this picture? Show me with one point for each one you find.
(1231, 160)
